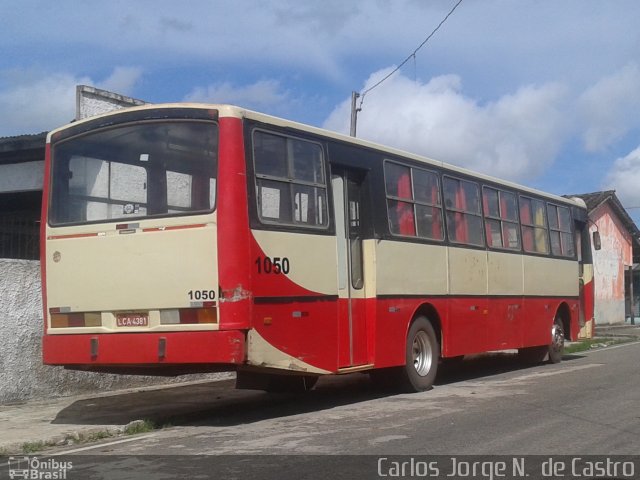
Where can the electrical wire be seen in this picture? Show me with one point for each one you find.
(413, 54)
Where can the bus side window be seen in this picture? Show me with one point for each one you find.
(464, 221)
(399, 199)
(501, 218)
(562, 243)
(413, 202)
(534, 225)
(290, 181)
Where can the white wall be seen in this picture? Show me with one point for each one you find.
(609, 265)
(19, 177)
(22, 374)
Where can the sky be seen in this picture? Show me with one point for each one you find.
(545, 93)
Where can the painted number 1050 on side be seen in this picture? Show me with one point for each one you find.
(272, 265)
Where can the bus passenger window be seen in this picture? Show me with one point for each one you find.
(462, 201)
(501, 218)
(290, 181)
(562, 243)
(534, 225)
(413, 202)
(401, 219)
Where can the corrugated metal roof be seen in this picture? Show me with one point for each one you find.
(22, 142)
(22, 148)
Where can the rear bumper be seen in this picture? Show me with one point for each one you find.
(145, 349)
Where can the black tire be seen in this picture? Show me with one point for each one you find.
(422, 353)
(556, 347)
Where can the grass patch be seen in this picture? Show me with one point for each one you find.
(95, 436)
(32, 447)
(139, 426)
(593, 343)
(133, 428)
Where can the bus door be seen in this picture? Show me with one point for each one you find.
(348, 199)
(586, 284)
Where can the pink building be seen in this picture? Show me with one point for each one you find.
(613, 263)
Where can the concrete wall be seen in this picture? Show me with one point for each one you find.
(20, 177)
(92, 101)
(22, 374)
(609, 265)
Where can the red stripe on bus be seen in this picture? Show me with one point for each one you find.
(74, 235)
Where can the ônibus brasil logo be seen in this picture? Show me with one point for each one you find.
(35, 469)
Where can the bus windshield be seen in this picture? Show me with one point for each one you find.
(154, 168)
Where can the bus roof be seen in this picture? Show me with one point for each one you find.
(225, 110)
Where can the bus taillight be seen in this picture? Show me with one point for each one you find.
(65, 320)
(188, 316)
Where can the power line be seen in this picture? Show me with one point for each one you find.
(413, 54)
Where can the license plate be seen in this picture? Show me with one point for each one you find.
(132, 319)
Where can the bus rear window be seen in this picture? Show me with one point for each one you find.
(135, 171)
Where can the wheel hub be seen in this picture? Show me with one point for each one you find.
(422, 354)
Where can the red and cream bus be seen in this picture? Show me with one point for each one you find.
(188, 238)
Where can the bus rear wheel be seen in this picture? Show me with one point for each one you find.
(422, 354)
(556, 347)
(553, 352)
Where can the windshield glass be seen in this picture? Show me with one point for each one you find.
(135, 171)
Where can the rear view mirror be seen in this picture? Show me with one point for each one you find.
(597, 243)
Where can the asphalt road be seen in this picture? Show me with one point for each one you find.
(491, 405)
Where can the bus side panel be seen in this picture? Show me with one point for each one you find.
(305, 331)
(547, 282)
(295, 295)
(233, 229)
(393, 317)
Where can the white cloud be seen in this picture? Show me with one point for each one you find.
(261, 95)
(39, 104)
(624, 178)
(122, 80)
(502, 42)
(610, 108)
(36, 101)
(515, 137)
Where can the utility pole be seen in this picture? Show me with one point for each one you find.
(354, 112)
